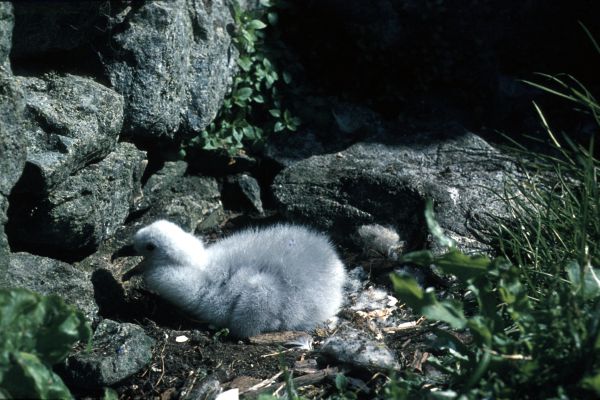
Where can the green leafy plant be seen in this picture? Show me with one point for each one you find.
(221, 334)
(255, 108)
(36, 332)
(528, 329)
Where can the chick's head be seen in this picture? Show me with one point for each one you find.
(166, 242)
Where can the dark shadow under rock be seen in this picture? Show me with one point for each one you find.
(86, 208)
(132, 304)
(242, 192)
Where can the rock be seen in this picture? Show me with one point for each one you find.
(350, 346)
(119, 350)
(173, 62)
(192, 202)
(200, 386)
(387, 184)
(48, 276)
(242, 192)
(12, 145)
(71, 122)
(164, 178)
(81, 211)
(7, 21)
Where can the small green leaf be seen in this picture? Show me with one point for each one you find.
(110, 394)
(275, 112)
(278, 126)
(435, 229)
(341, 382)
(256, 24)
(243, 93)
(585, 280)
(287, 78)
(245, 63)
(591, 383)
(267, 64)
(273, 18)
(425, 302)
(249, 132)
(481, 333)
(422, 257)
(28, 377)
(463, 266)
(237, 135)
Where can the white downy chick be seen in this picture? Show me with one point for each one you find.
(284, 277)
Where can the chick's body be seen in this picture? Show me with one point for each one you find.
(284, 277)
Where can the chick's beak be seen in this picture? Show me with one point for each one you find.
(129, 251)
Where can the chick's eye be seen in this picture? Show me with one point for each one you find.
(150, 247)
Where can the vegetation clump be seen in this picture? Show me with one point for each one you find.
(255, 107)
(527, 323)
(36, 332)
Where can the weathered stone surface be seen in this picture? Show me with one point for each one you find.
(196, 387)
(119, 350)
(12, 149)
(83, 210)
(49, 276)
(356, 348)
(173, 62)
(7, 20)
(192, 202)
(71, 122)
(388, 184)
(242, 192)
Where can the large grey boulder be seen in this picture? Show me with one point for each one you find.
(388, 184)
(173, 62)
(7, 20)
(119, 350)
(71, 122)
(12, 145)
(84, 209)
(48, 276)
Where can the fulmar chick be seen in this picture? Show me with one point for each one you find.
(284, 277)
